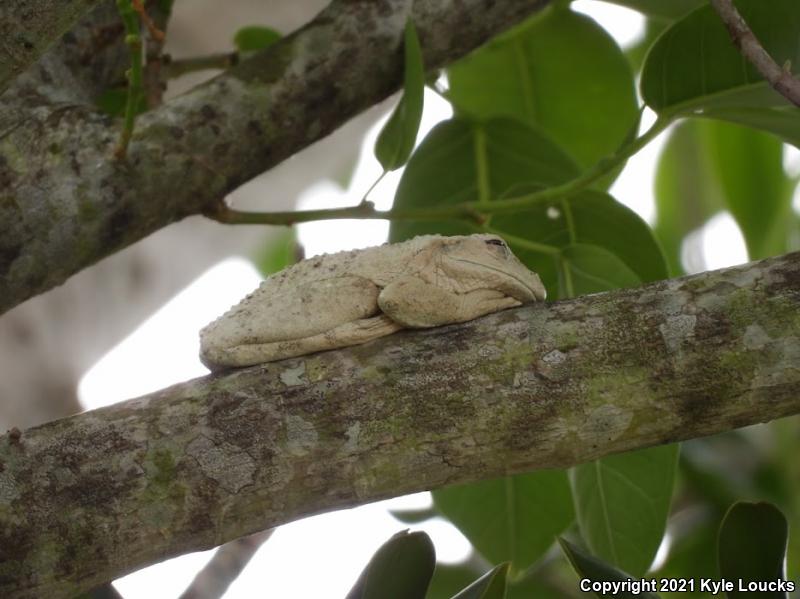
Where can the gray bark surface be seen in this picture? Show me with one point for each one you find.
(65, 203)
(29, 27)
(88, 498)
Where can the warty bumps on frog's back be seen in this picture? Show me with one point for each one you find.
(352, 297)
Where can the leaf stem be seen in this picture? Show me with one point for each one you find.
(473, 212)
(566, 276)
(133, 39)
(527, 244)
(373, 186)
(365, 211)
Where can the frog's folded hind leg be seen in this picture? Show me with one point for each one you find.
(257, 328)
(415, 303)
(344, 335)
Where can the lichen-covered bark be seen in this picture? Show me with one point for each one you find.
(65, 203)
(29, 27)
(88, 498)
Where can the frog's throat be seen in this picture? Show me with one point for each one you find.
(502, 272)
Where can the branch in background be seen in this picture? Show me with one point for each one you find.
(542, 386)
(204, 144)
(225, 566)
(780, 78)
(29, 27)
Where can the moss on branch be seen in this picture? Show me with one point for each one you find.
(88, 498)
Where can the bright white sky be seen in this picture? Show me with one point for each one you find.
(334, 546)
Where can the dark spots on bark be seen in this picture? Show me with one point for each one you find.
(15, 437)
(45, 76)
(223, 404)
(221, 150)
(15, 544)
(9, 252)
(786, 274)
(208, 112)
(75, 163)
(459, 337)
(6, 175)
(715, 330)
(254, 128)
(119, 228)
(176, 132)
(240, 419)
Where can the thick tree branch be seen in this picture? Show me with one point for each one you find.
(780, 78)
(64, 203)
(29, 27)
(88, 498)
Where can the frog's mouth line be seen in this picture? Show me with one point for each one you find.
(502, 272)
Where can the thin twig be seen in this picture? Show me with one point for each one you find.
(471, 212)
(155, 32)
(133, 39)
(780, 78)
(225, 566)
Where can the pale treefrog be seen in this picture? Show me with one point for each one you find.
(353, 297)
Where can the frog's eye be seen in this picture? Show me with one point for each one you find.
(498, 242)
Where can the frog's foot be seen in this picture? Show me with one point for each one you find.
(344, 335)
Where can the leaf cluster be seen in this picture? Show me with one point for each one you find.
(546, 115)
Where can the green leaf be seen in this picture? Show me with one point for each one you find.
(748, 166)
(414, 516)
(685, 192)
(694, 65)
(512, 519)
(449, 579)
(491, 585)
(113, 101)
(591, 218)
(592, 568)
(546, 584)
(279, 252)
(622, 503)
(783, 122)
(463, 161)
(652, 29)
(590, 269)
(707, 166)
(398, 136)
(585, 100)
(752, 547)
(254, 38)
(662, 9)
(401, 569)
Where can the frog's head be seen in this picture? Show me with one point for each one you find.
(485, 261)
